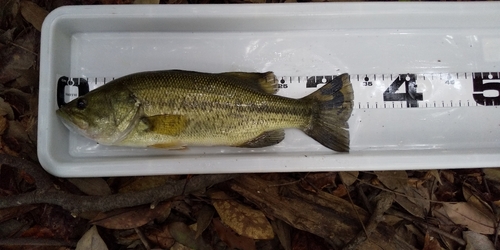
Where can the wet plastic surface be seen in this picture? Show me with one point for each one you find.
(291, 40)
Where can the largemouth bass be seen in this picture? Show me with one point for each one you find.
(174, 109)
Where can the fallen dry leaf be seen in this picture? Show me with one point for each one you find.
(283, 231)
(305, 241)
(127, 218)
(147, 182)
(415, 200)
(4, 124)
(477, 241)
(447, 225)
(474, 200)
(186, 236)
(231, 238)
(465, 214)
(18, 56)
(436, 174)
(431, 243)
(33, 13)
(340, 191)
(393, 180)
(161, 237)
(492, 174)
(91, 186)
(91, 240)
(242, 219)
(6, 109)
(320, 213)
(317, 181)
(348, 178)
(204, 219)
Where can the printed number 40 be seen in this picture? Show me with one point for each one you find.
(411, 96)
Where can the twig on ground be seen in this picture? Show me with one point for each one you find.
(35, 242)
(78, 203)
(384, 202)
(427, 226)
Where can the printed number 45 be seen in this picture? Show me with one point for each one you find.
(411, 96)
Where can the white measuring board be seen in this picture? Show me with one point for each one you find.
(425, 79)
(391, 111)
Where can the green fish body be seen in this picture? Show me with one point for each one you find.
(174, 109)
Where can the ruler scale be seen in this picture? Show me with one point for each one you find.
(371, 91)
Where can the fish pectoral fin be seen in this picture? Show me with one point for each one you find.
(166, 124)
(261, 82)
(170, 146)
(265, 139)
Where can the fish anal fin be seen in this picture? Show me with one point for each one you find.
(261, 82)
(166, 124)
(265, 139)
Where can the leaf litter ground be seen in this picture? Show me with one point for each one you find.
(435, 209)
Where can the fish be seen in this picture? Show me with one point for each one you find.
(175, 109)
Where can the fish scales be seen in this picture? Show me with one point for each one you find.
(225, 113)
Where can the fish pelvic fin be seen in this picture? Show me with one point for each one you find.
(260, 82)
(265, 139)
(332, 107)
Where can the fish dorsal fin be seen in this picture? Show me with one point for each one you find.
(262, 82)
(166, 124)
(265, 139)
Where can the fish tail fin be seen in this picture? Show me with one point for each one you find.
(332, 107)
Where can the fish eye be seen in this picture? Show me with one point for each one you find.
(81, 104)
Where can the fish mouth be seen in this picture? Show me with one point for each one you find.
(74, 124)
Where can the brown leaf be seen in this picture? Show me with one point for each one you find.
(127, 218)
(91, 186)
(474, 200)
(393, 180)
(38, 231)
(3, 124)
(492, 174)
(231, 238)
(465, 214)
(305, 241)
(415, 200)
(161, 237)
(33, 13)
(91, 240)
(477, 241)
(282, 230)
(242, 219)
(348, 178)
(320, 213)
(436, 174)
(204, 219)
(317, 181)
(12, 212)
(448, 175)
(431, 243)
(17, 56)
(341, 191)
(146, 183)
(447, 225)
(185, 236)
(6, 110)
